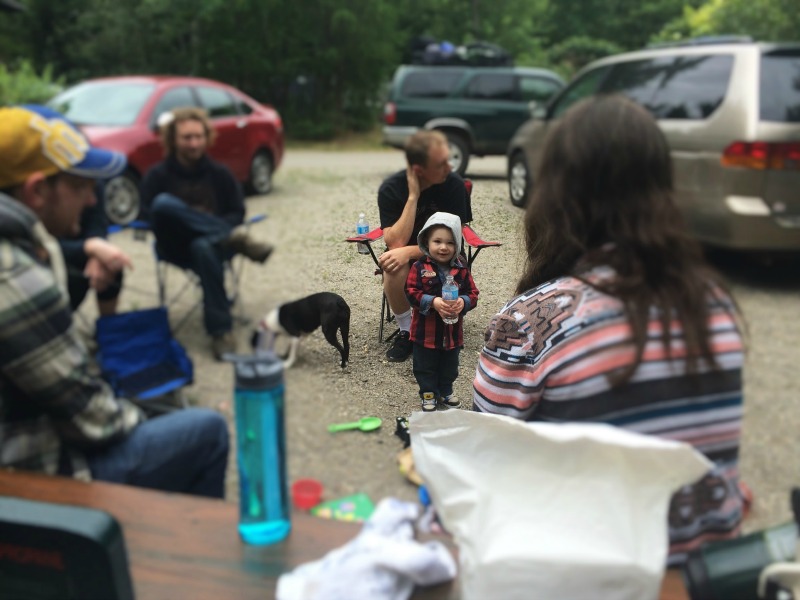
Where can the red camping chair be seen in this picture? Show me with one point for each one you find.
(472, 241)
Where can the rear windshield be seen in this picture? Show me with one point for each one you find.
(780, 87)
(437, 83)
(673, 87)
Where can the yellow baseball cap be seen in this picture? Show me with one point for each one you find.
(37, 139)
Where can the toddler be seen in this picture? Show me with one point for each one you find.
(436, 345)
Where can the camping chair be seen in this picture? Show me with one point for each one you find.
(140, 359)
(472, 243)
(233, 271)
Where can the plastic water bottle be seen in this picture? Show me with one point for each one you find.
(261, 449)
(362, 227)
(450, 292)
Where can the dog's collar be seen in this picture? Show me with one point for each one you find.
(273, 322)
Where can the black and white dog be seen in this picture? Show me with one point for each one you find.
(301, 317)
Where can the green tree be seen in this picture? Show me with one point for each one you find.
(767, 20)
(627, 23)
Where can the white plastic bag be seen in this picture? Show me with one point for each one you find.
(545, 511)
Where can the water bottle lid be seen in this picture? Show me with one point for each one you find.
(258, 371)
(360, 215)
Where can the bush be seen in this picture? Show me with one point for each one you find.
(24, 86)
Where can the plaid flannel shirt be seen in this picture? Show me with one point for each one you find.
(424, 283)
(51, 409)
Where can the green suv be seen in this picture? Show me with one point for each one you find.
(477, 108)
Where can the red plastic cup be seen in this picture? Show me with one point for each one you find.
(306, 493)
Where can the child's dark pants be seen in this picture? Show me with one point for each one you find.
(435, 370)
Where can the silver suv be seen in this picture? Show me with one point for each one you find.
(731, 115)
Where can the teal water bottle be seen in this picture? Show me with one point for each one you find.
(261, 449)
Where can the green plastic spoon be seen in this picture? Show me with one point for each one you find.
(364, 424)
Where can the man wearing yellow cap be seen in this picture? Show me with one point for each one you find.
(55, 416)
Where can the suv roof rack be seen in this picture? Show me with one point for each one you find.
(705, 40)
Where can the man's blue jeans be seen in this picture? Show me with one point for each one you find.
(183, 451)
(194, 240)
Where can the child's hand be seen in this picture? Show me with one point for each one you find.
(448, 309)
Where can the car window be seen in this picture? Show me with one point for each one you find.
(217, 102)
(780, 86)
(109, 103)
(492, 86)
(243, 107)
(431, 84)
(538, 89)
(583, 87)
(174, 98)
(673, 87)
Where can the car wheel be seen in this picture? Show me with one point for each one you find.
(459, 153)
(519, 179)
(121, 198)
(260, 173)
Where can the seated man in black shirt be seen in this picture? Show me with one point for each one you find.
(405, 201)
(194, 205)
(92, 261)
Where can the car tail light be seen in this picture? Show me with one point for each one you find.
(389, 113)
(784, 156)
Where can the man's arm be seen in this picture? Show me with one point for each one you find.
(399, 233)
(44, 361)
(230, 198)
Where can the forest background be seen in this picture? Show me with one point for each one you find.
(326, 64)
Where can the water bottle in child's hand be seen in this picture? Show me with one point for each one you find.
(450, 293)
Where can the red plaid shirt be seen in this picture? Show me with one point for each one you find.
(424, 283)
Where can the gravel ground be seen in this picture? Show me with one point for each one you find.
(315, 205)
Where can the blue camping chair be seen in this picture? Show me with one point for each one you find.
(139, 357)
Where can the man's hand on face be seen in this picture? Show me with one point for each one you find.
(413, 183)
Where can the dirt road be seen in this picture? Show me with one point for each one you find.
(315, 205)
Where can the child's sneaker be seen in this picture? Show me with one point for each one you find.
(428, 402)
(450, 402)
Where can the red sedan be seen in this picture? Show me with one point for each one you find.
(121, 113)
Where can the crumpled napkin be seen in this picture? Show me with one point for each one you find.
(383, 562)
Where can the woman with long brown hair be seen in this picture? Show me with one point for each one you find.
(617, 317)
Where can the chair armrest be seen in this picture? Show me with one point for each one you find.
(255, 219)
(367, 238)
(473, 239)
(135, 225)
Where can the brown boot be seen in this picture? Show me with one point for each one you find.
(241, 243)
(223, 344)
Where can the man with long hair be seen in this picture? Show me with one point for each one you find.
(617, 317)
(196, 208)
